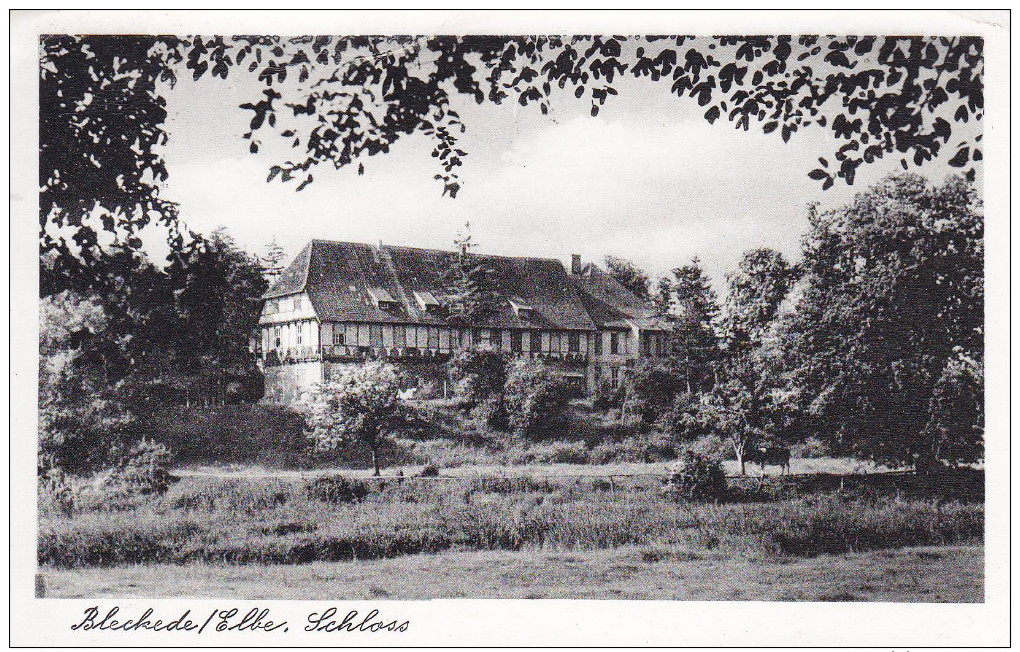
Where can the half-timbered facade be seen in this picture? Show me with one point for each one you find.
(343, 302)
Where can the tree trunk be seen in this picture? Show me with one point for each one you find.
(738, 449)
(375, 462)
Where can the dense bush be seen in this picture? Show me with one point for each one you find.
(536, 399)
(696, 477)
(144, 468)
(429, 471)
(607, 397)
(685, 419)
(653, 386)
(490, 413)
(478, 374)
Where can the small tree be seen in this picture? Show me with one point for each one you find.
(82, 417)
(272, 262)
(358, 407)
(471, 285)
(731, 411)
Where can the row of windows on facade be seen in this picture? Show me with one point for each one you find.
(286, 304)
(431, 337)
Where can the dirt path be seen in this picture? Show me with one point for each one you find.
(798, 466)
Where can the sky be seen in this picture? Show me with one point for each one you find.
(648, 179)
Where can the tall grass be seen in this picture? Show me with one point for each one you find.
(275, 521)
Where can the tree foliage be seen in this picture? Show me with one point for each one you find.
(536, 398)
(101, 116)
(358, 406)
(890, 331)
(755, 291)
(694, 341)
(338, 100)
(81, 418)
(472, 289)
(478, 374)
(629, 276)
(272, 262)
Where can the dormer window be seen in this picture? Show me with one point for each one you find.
(523, 310)
(382, 298)
(428, 301)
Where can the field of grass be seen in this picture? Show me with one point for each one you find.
(296, 520)
(928, 574)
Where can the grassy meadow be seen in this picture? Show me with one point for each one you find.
(253, 514)
(247, 524)
(917, 574)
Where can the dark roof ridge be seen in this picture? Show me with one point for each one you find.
(471, 253)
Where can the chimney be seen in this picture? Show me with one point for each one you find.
(575, 264)
(376, 251)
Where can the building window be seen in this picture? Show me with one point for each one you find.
(299, 330)
(574, 342)
(276, 337)
(614, 344)
(516, 341)
(598, 343)
(338, 337)
(614, 377)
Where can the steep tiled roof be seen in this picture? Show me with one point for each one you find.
(292, 279)
(338, 277)
(610, 304)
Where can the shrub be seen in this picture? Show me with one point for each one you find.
(429, 471)
(696, 477)
(336, 489)
(536, 399)
(653, 387)
(144, 468)
(490, 413)
(684, 419)
(557, 452)
(606, 397)
(478, 374)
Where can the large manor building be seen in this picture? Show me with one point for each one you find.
(344, 302)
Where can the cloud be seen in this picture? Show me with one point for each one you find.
(645, 180)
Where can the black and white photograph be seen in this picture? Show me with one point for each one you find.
(371, 317)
